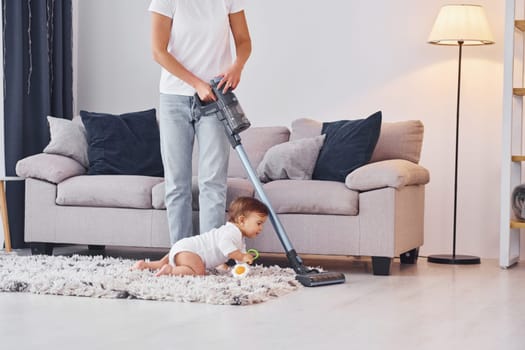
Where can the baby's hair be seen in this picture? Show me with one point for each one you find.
(243, 206)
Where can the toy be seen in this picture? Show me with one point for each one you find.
(242, 269)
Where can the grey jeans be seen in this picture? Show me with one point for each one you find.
(178, 130)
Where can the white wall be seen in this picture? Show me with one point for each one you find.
(339, 60)
(115, 71)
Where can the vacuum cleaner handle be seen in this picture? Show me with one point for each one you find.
(201, 108)
(227, 109)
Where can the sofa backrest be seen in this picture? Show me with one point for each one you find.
(397, 140)
(255, 141)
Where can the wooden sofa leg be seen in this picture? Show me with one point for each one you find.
(381, 265)
(409, 257)
(38, 248)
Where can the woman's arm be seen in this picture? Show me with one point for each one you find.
(243, 49)
(160, 36)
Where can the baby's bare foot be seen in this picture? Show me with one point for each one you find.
(139, 265)
(164, 270)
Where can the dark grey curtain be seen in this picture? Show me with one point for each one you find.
(38, 81)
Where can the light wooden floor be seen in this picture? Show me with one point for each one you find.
(423, 306)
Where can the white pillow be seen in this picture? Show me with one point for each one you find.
(68, 138)
(293, 160)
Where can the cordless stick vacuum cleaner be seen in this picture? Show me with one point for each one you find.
(230, 113)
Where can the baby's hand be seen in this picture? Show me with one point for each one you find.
(247, 258)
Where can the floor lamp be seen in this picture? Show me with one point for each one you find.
(459, 25)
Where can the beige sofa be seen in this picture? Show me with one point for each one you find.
(377, 212)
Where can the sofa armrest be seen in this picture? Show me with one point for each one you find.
(395, 173)
(49, 167)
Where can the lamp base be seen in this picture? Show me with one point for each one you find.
(454, 259)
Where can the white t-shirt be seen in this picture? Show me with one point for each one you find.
(199, 40)
(213, 246)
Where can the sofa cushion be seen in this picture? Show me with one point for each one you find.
(117, 191)
(312, 197)
(236, 187)
(68, 138)
(126, 144)
(348, 145)
(256, 141)
(396, 173)
(49, 167)
(158, 196)
(399, 140)
(293, 160)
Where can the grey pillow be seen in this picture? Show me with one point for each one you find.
(303, 128)
(68, 138)
(49, 167)
(293, 160)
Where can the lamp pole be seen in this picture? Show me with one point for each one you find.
(446, 258)
(460, 44)
(461, 25)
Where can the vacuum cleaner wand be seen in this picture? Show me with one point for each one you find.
(229, 112)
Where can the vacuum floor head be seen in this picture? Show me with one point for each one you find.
(314, 279)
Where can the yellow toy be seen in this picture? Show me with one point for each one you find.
(242, 269)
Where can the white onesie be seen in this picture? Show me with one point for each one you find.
(213, 246)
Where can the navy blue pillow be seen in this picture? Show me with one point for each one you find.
(126, 144)
(348, 145)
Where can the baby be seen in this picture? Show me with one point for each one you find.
(193, 255)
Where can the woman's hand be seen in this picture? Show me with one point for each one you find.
(230, 78)
(205, 92)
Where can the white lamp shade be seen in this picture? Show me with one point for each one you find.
(461, 23)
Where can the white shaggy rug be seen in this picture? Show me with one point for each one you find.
(98, 277)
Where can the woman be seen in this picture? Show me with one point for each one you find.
(191, 42)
